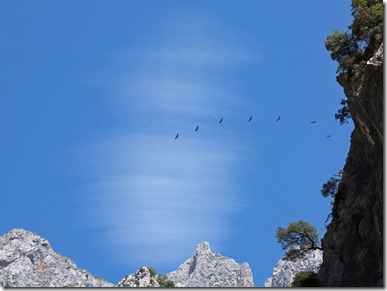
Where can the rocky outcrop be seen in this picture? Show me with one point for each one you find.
(353, 244)
(142, 278)
(284, 271)
(27, 260)
(207, 269)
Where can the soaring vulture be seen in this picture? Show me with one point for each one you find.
(197, 127)
(329, 135)
(279, 117)
(220, 121)
(251, 117)
(177, 135)
(313, 121)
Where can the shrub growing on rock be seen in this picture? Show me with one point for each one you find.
(305, 279)
(164, 282)
(152, 271)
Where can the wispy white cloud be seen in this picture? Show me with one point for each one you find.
(154, 196)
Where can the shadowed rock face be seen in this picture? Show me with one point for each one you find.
(207, 269)
(353, 244)
(27, 260)
(284, 271)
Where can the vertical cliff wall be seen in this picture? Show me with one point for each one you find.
(353, 244)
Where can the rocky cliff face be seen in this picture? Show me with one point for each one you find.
(27, 260)
(207, 269)
(353, 244)
(284, 271)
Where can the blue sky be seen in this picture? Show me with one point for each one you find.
(94, 92)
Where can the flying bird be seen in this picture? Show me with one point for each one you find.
(313, 121)
(251, 117)
(279, 117)
(177, 135)
(197, 127)
(329, 135)
(220, 121)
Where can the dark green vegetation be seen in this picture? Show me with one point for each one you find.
(152, 271)
(164, 282)
(353, 47)
(305, 279)
(161, 279)
(331, 187)
(298, 238)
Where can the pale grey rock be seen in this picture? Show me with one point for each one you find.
(27, 260)
(142, 278)
(284, 271)
(207, 269)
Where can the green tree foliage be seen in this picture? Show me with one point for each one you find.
(367, 26)
(161, 279)
(344, 49)
(353, 47)
(152, 271)
(343, 114)
(330, 188)
(305, 279)
(363, 37)
(298, 238)
(164, 282)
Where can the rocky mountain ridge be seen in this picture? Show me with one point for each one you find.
(28, 260)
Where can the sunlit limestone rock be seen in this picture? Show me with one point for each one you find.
(284, 271)
(142, 278)
(207, 269)
(27, 260)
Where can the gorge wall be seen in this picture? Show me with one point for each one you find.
(353, 244)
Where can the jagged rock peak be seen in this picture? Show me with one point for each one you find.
(284, 271)
(142, 278)
(202, 248)
(27, 260)
(207, 269)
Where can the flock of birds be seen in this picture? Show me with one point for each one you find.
(249, 120)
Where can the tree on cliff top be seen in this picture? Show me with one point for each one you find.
(352, 48)
(298, 238)
(363, 38)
